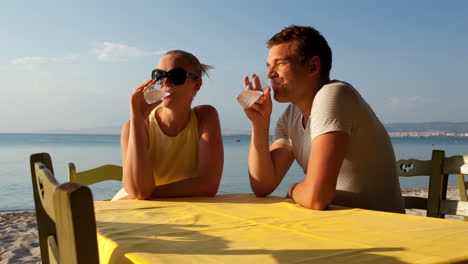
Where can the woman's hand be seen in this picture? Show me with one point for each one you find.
(139, 108)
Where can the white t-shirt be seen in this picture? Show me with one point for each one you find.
(367, 178)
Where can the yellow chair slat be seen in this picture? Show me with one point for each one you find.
(65, 216)
(95, 175)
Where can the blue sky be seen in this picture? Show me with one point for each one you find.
(72, 65)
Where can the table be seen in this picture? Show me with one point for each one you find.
(241, 228)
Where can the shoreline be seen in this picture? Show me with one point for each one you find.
(453, 193)
(228, 133)
(18, 229)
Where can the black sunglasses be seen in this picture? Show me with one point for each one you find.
(176, 76)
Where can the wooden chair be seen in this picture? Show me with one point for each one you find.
(438, 170)
(65, 216)
(437, 182)
(458, 165)
(95, 175)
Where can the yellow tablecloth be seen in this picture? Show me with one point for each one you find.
(240, 228)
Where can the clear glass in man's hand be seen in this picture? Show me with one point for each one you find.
(248, 97)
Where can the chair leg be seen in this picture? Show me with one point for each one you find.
(437, 185)
(45, 225)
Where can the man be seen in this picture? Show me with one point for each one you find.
(328, 128)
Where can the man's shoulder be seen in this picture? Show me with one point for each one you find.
(336, 85)
(336, 89)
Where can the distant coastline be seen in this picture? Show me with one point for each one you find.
(426, 134)
(428, 129)
(430, 134)
(425, 129)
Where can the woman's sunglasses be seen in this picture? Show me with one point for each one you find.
(176, 76)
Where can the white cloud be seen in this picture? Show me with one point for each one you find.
(108, 51)
(29, 62)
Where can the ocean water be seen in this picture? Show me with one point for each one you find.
(89, 151)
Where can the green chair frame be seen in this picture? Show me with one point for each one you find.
(437, 182)
(438, 170)
(458, 166)
(65, 216)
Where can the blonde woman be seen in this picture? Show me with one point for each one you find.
(175, 150)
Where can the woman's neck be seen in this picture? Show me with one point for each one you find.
(172, 121)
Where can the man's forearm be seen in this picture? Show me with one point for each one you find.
(318, 188)
(261, 169)
(309, 197)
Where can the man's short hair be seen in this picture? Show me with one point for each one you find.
(308, 42)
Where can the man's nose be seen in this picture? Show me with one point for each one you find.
(271, 73)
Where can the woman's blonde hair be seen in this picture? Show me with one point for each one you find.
(200, 68)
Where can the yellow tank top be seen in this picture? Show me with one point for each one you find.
(174, 158)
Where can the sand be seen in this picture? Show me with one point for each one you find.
(18, 230)
(452, 194)
(18, 238)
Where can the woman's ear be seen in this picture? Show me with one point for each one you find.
(198, 84)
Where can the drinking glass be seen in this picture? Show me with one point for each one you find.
(153, 93)
(248, 97)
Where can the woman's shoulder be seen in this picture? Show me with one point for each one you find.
(205, 113)
(201, 109)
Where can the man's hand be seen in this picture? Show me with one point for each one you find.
(259, 113)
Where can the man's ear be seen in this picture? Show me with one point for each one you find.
(314, 66)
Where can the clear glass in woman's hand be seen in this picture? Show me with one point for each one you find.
(248, 97)
(153, 93)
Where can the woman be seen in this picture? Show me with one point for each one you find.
(174, 150)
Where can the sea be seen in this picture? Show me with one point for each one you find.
(89, 151)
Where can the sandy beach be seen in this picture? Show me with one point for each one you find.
(18, 238)
(18, 233)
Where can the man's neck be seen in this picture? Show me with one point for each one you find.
(305, 104)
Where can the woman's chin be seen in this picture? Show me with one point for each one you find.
(166, 102)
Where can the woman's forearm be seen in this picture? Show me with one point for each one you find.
(138, 177)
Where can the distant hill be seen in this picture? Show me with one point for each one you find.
(110, 130)
(394, 129)
(402, 129)
(447, 127)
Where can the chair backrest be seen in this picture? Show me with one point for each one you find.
(458, 165)
(437, 190)
(95, 175)
(65, 216)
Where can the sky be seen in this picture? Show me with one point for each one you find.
(70, 66)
